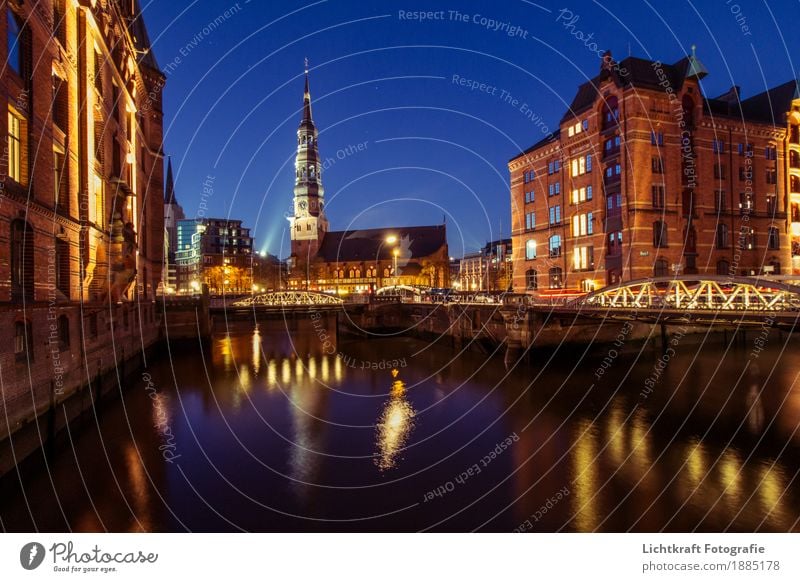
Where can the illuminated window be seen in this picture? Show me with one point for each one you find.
(15, 124)
(530, 249)
(14, 42)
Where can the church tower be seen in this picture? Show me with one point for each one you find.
(308, 225)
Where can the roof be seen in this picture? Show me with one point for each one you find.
(138, 31)
(769, 106)
(413, 242)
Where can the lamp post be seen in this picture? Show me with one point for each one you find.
(391, 240)
(395, 252)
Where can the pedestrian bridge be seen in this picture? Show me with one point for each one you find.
(695, 293)
(288, 299)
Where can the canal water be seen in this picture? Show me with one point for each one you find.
(276, 429)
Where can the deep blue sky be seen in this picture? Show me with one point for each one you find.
(433, 147)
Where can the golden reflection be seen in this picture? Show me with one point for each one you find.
(730, 471)
(312, 367)
(245, 381)
(587, 478)
(394, 425)
(337, 369)
(272, 374)
(226, 351)
(325, 371)
(771, 488)
(616, 435)
(641, 459)
(286, 372)
(298, 369)
(695, 465)
(140, 493)
(256, 351)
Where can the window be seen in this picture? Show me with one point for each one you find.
(722, 239)
(719, 171)
(581, 194)
(14, 42)
(657, 138)
(529, 176)
(15, 126)
(612, 145)
(63, 333)
(657, 191)
(610, 113)
(61, 185)
(555, 246)
(657, 164)
(772, 204)
(661, 268)
(554, 189)
(582, 224)
(745, 173)
(553, 167)
(531, 280)
(21, 261)
(773, 240)
(615, 243)
(581, 165)
(772, 176)
(530, 249)
(744, 149)
(583, 258)
(718, 146)
(556, 278)
(746, 202)
(723, 267)
(659, 234)
(555, 214)
(62, 267)
(720, 201)
(749, 239)
(529, 196)
(530, 221)
(23, 340)
(771, 153)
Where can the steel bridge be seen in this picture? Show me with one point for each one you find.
(289, 299)
(693, 293)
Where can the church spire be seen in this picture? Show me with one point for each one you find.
(307, 120)
(169, 189)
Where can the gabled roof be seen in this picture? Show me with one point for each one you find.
(413, 242)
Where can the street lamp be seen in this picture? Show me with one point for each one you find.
(395, 253)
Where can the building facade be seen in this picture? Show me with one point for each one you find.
(81, 181)
(216, 252)
(489, 269)
(354, 261)
(648, 177)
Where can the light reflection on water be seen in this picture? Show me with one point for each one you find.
(299, 431)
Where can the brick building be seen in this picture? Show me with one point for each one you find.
(81, 181)
(489, 269)
(648, 177)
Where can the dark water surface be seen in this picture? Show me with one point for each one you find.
(267, 432)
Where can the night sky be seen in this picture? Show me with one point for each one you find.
(430, 146)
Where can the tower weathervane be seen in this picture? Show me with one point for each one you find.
(306, 65)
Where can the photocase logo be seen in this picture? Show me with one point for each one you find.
(32, 555)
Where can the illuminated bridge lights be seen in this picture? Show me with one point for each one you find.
(717, 293)
(288, 299)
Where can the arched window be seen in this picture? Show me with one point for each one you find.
(659, 234)
(531, 280)
(358, 273)
(661, 268)
(530, 249)
(795, 184)
(351, 273)
(62, 267)
(723, 267)
(690, 240)
(14, 42)
(794, 159)
(386, 272)
(556, 278)
(776, 266)
(63, 333)
(722, 239)
(21, 261)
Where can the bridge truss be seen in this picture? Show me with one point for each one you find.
(288, 299)
(717, 293)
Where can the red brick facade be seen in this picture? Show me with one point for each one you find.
(648, 177)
